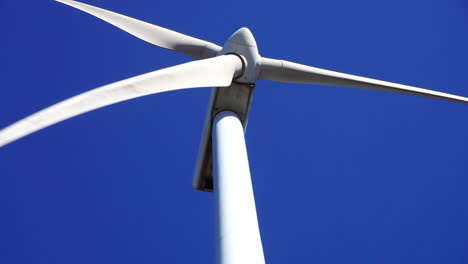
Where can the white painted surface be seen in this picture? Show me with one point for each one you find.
(156, 35)
(238, 237)
(242, 42)
(217, 71)
(290, 72)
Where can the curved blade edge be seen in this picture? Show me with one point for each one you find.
(290, 72)
(218, 71)
(156, 35)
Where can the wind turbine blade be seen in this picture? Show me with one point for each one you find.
(218, 71)
(162, 37)
(290, 72)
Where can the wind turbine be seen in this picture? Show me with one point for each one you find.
(238, 60)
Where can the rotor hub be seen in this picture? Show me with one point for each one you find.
(243, 44)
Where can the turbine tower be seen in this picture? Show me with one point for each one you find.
(233, 69)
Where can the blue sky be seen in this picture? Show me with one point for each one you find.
(340, 175)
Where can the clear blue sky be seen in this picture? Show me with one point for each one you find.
(340, 175)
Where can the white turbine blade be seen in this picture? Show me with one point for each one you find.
(162, 37)
(290, 72)
(218, 71)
